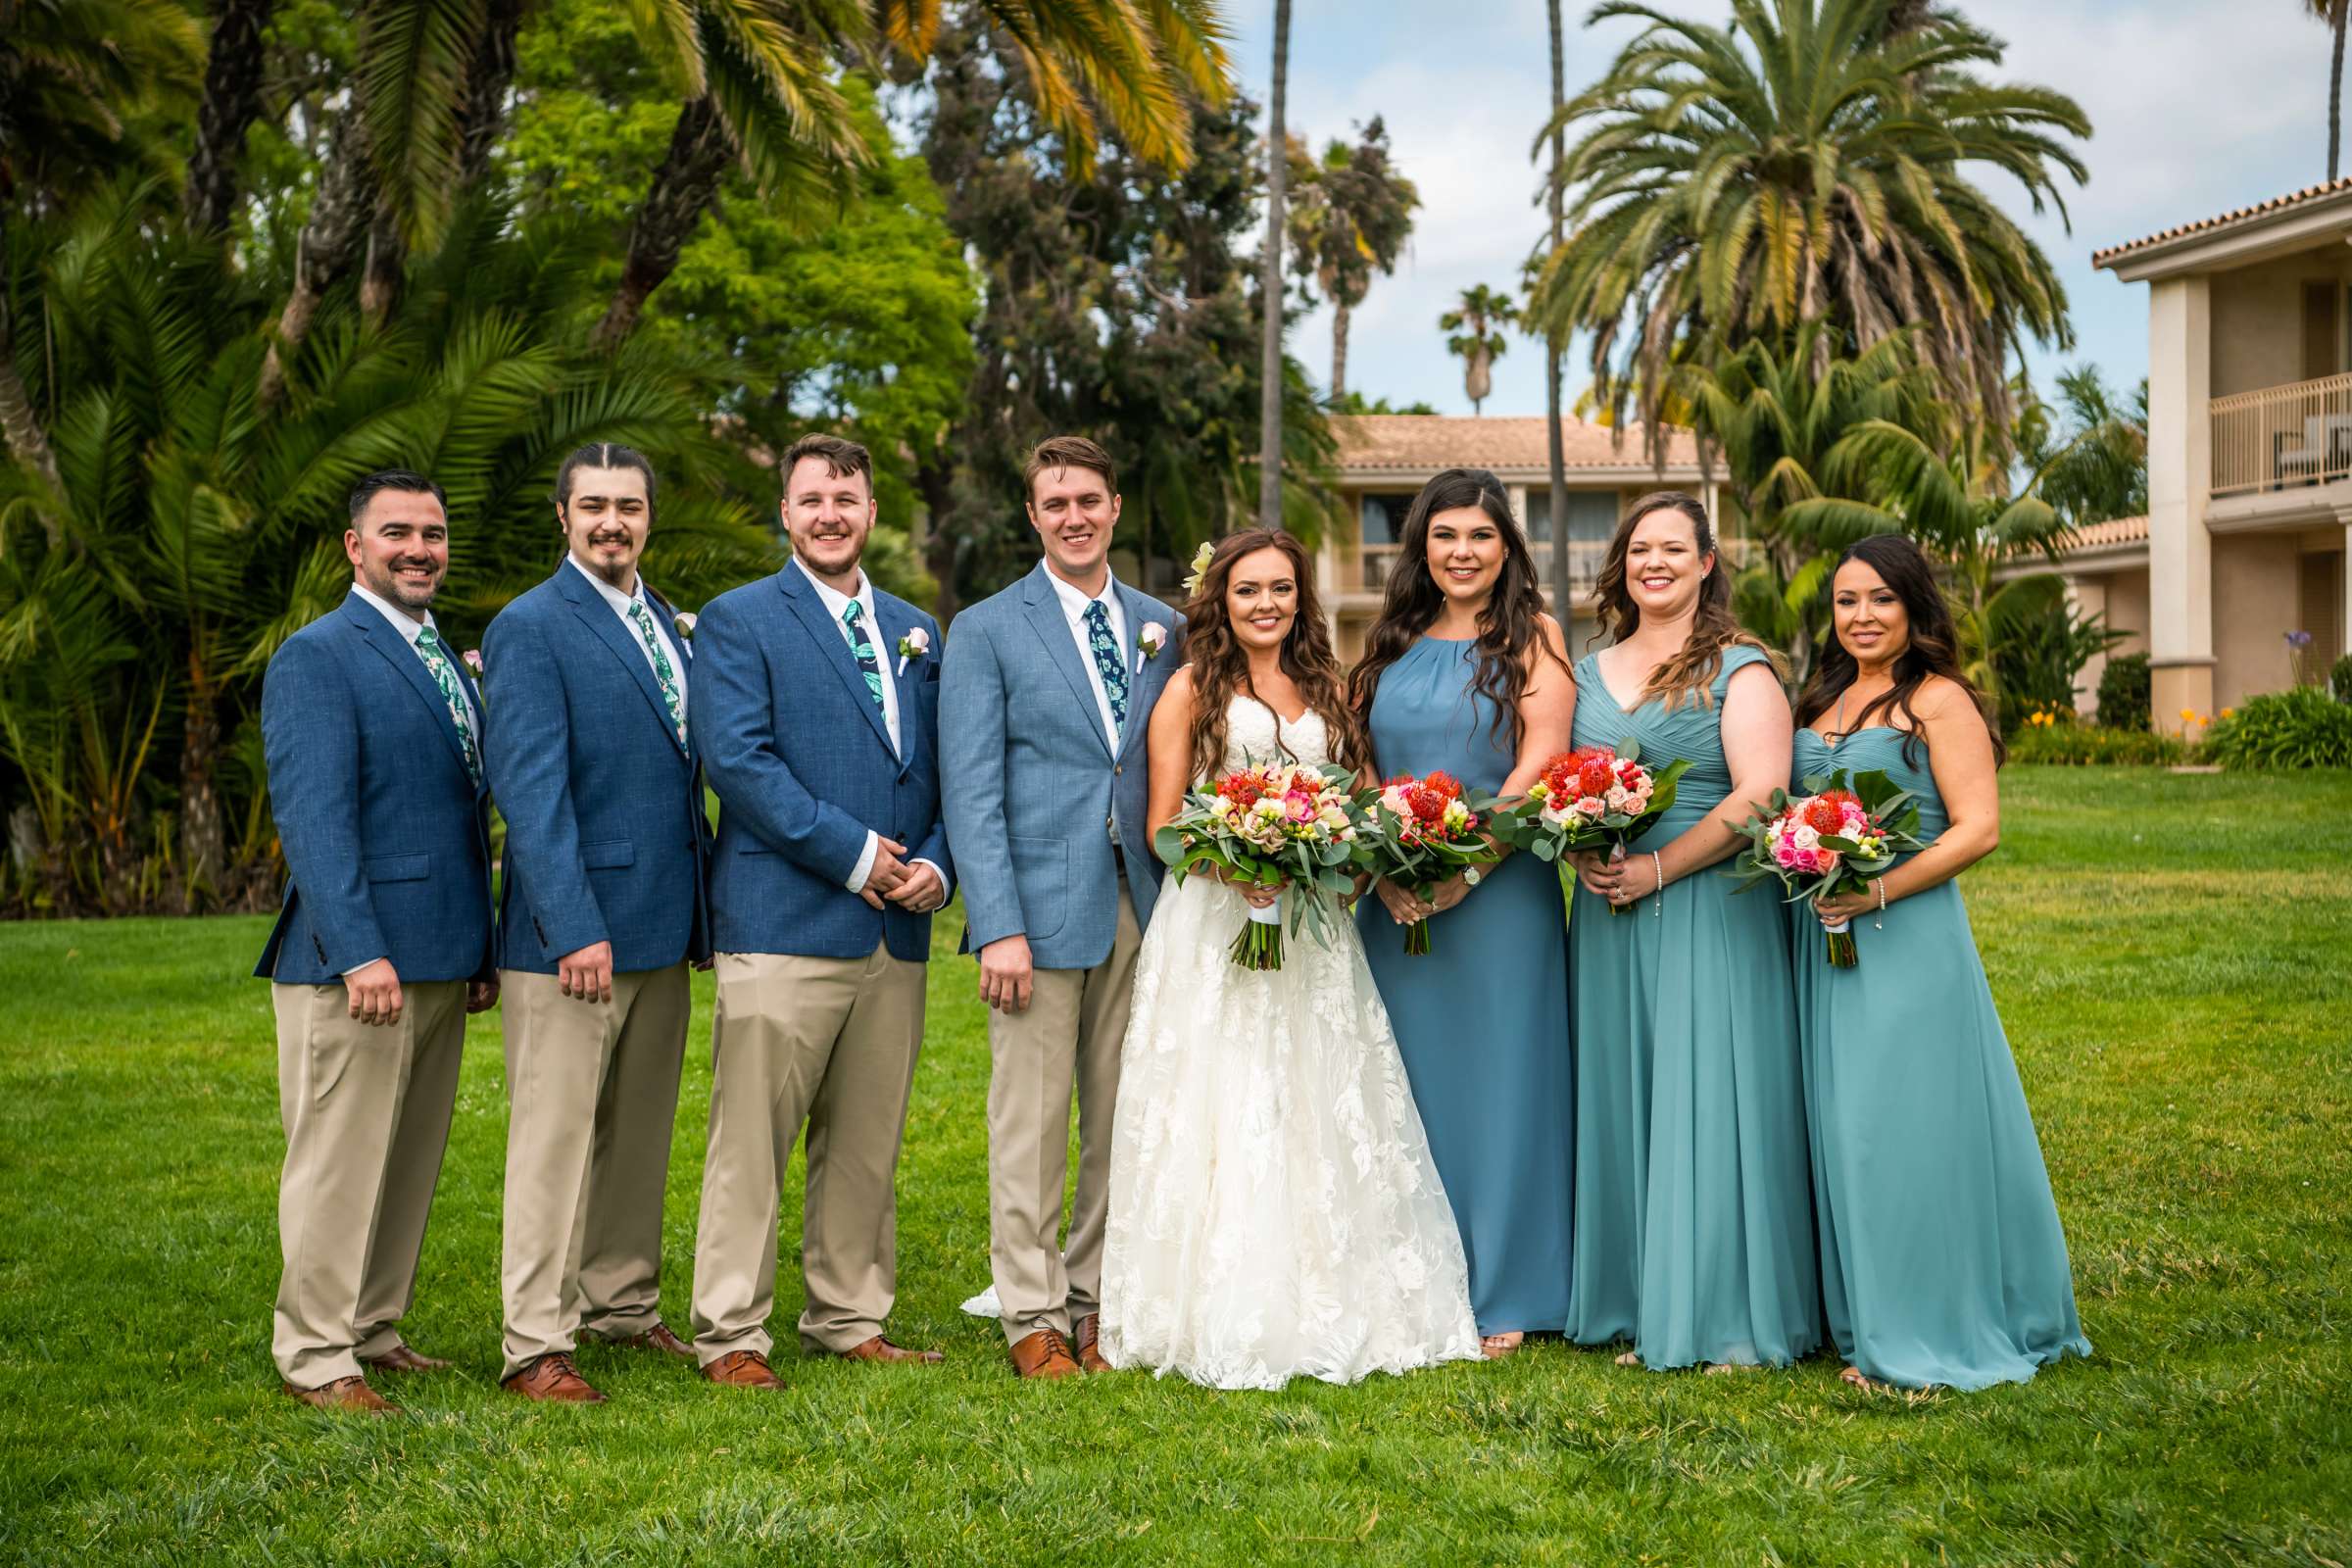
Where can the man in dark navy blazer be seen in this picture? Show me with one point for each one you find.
(372, 732)
(816, 707)
(601, 910)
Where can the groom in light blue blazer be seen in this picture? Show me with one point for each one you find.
(1047, 692)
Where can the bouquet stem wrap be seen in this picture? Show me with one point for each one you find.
(1842, 944)
(1259, 943)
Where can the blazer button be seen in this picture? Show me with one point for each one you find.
(1116, 770)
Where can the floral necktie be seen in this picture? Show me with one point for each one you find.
(445, 675)
(1110, 662)
(853, 617)
(664, 671)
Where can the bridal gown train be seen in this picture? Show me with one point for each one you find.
(1274, 1209)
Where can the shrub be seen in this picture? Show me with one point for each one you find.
(2067, 744)
(2339, 679)
(2126, 692)
(2303, 727)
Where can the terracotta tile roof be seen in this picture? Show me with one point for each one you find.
(2106, 535)
(1429, 442)
(2308, 193)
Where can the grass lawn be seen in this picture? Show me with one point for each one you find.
(2174, 958)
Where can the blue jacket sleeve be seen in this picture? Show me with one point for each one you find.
(733, 718)
(311, 739)
(526, 751)
(971, 754)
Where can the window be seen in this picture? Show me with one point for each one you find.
(1384, 517)
(1591, 516)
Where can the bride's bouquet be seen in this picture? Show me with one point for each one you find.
(1834, 840)
(1592, 798)
(1423, 833)
(1288, 823)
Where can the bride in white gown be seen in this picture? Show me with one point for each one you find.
(1274, 1209)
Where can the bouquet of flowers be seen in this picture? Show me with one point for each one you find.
(1423, 833)
(1833, 839)
(1271, 824)
(1592, 799)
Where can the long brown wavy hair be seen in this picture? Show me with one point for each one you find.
(1508, 627)
(1714, 628)
(1220, 664)
(1932, 649)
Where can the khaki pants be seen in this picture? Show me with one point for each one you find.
(1073, 1029)
(831, 1042)
(366, 1109)
(592, 1095)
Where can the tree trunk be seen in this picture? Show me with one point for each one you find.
(232, 96)
(387, 261)
(684, 188)
(203, 833)
(934, 481)
(1269, 424)
(1557, 450)
(1338, 351)
(484, 112)
(25, 437)
(2336, 88)
(1477, 379)
(331, 242)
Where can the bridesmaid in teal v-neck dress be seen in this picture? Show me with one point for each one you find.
(1693, 1217)
(1942, 1258)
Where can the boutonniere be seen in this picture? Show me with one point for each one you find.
(915, 645)
(1149, 641)
(683, 621)
(473, 661)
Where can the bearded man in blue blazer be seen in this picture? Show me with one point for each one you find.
(590, 682)
(372, 733)
(816, 709)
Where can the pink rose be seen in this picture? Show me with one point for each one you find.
(1593, 806)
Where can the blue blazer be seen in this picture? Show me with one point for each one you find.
(1038, 796)
(388, 836)
(606, 835)
(797, 754)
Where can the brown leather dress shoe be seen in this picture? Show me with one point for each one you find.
(658, 1338)
(552, 1380)
(1044, 1354)
(351, 1395)
(879, 1349)
(743, 1369)
(400, 1358)
(1087, 1331)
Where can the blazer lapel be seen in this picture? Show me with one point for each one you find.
(608, 629)
(833, 642)
(1140, 608)
(894, 621)
(403, 657)
(1052, 628)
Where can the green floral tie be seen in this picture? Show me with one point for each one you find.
(663, 673)
(853, 615)
(452, 692)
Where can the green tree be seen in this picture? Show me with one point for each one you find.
(1809, 161)
(1476, 324)
(1270, 289)
(2092, 449)
(1353, 215)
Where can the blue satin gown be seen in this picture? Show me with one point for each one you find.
(1481, 1019)
(1693, 1208)
(1941, 1255)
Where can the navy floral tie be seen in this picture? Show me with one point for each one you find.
(1111, 662)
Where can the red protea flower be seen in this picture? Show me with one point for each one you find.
(1826, 812)
(1596, 771)
(1559, 775)
(1243, 789)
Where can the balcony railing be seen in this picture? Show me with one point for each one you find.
(2282, 436)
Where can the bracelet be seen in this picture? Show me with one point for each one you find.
(1878, 922)
(1657, 867)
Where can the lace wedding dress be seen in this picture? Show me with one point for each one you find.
(1274, 1210)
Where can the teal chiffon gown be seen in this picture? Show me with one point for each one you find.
(1481, 1019)
(1941, 1255)
(1693, 1209)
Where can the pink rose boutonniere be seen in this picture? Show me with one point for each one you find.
(915, 645)
(1149, 641)
(473, 661)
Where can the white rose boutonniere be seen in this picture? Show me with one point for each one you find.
(915, 645)
(684, 622)
(1148, 641)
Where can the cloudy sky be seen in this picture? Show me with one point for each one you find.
(2197, 108)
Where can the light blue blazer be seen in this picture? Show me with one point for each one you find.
(801, 761)
(606, 835)
(1035, 797)
(386, 836)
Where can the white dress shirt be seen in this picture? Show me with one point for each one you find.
(620, 604)
(408, 626)
(836, 604)
(1074, 602)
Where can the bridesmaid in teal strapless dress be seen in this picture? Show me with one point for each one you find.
(1942, 1258)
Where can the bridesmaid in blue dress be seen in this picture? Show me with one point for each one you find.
(1464, 672)
(1693, 1209)
(1941, 1255)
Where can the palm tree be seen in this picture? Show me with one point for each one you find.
(1554, 440)
(2094, 465)
(1807, 162)
(1269, 398)
(1350, 219)
(1475, 323)
(2331, 12)
(232, 97)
